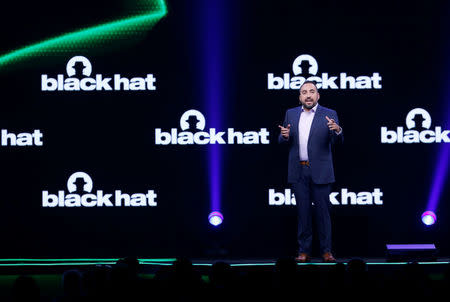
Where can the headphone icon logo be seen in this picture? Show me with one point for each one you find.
(200, 118)
(313, 66)
(87, 66)
(426, 122)
(71, 182)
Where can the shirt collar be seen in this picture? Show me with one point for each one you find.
(313, 109)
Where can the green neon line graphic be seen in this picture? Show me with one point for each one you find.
(92, 37)
(54, 264)
(167, 262)
(75, 264)
(57, 260)
(253, 264)
(158, 260)
(317, 264)
(83, 260)
(435, 262)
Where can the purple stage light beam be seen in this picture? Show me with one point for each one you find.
(214, 32)
(441, 168)
(439, 178)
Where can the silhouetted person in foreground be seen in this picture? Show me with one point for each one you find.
(185, 283)
(96, 283)
(125, 282)
(71, 282)
(25, 289)
(222, 282)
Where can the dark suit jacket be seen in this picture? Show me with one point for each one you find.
(319, 145)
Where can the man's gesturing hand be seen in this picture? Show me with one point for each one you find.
(285, 130)
(332, 124)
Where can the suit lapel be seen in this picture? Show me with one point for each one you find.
(298, 111)
(316, 120)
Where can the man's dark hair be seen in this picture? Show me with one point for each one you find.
(309, 82)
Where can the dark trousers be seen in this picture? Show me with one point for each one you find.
(307, 192)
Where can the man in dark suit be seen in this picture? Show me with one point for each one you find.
(309, 131)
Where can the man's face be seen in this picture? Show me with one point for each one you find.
(309, 96)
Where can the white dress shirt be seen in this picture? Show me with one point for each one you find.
(304, 127)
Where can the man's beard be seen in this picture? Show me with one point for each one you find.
(308, 106)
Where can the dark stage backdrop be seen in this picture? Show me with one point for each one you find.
(101, 157)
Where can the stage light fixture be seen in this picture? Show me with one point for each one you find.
(215, 218)
(411, 252)
(428, 218)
